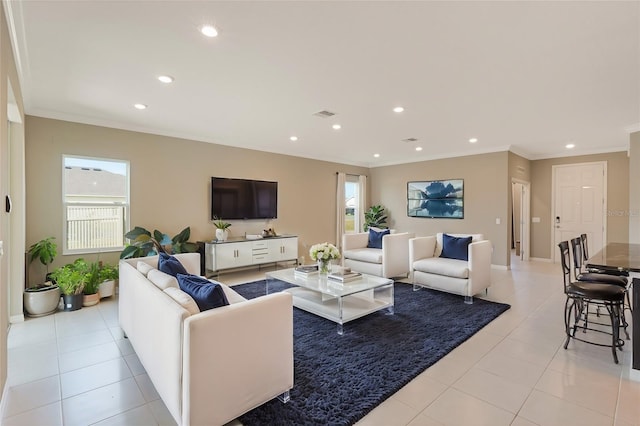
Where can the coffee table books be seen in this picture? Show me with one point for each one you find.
(344, 276)
(305, 270)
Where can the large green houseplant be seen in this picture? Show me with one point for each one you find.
(143, 243)
(375, 217)
(45, 251)
(43, 298)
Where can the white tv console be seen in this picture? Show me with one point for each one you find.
(241, 252)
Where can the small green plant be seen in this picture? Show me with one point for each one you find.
(92, 278)
(45, 251)
(376, 217)
(108, 273)
(70, 279)
(220, 224)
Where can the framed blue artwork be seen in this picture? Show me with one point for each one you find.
(436, 199)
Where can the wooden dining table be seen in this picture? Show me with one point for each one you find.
(624, 257)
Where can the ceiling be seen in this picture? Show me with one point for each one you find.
(526, 76)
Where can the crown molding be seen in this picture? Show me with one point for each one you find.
(575, 153)
(15, 23)
(633, 128)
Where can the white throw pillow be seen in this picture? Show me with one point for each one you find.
(144, 267)
(162, 280)
(183, 299)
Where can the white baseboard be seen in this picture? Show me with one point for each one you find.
(16, 318)
(500, 267)
(540, 259)
(3, 402)
(634, 374)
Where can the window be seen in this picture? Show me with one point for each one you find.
(352, 205)
(95, 194)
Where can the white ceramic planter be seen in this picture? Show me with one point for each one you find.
(40, 303)
(107, 288)
(222, 234)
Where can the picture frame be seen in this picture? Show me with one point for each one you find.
(443, 199)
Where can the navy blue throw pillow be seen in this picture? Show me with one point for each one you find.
(170, 265)
(207, 294)
(455, 247)
(375, 238)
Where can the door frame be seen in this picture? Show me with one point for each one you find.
(525, 235)
(554, 254)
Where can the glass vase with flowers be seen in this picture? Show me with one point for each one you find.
(324, 253)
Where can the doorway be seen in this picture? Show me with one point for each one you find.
(520, 219)
(579, 202)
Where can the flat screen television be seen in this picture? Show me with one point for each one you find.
(243, 199)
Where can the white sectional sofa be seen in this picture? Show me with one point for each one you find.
(466, 278)
(208, 367)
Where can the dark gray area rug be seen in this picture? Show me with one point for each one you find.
(339, 379)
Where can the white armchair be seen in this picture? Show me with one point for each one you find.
(390, 261)
(466, 278)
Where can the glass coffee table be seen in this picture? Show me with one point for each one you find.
(333, 300)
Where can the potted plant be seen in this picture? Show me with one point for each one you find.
(42, 299)
(71, 282)
(143, 243)
(91, 273)
(222, 229)
(108, 278)
(180, 243)
(375, 217)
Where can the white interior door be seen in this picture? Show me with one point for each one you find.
(579, 204)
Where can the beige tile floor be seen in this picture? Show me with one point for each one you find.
(75, 368)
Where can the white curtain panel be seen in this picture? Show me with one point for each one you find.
(340, 208)
(362, 199)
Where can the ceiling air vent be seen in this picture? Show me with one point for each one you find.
(324, 114)
(410, 140)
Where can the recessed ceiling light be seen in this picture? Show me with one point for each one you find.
(293, 138)
(473, 140)
(209, 30)
(336, 127)
(376, 155)
(165, 79)
(418, 148)
(570, 145)
(398, 109)
(140, 106)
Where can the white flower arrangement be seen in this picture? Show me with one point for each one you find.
(324, 251)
